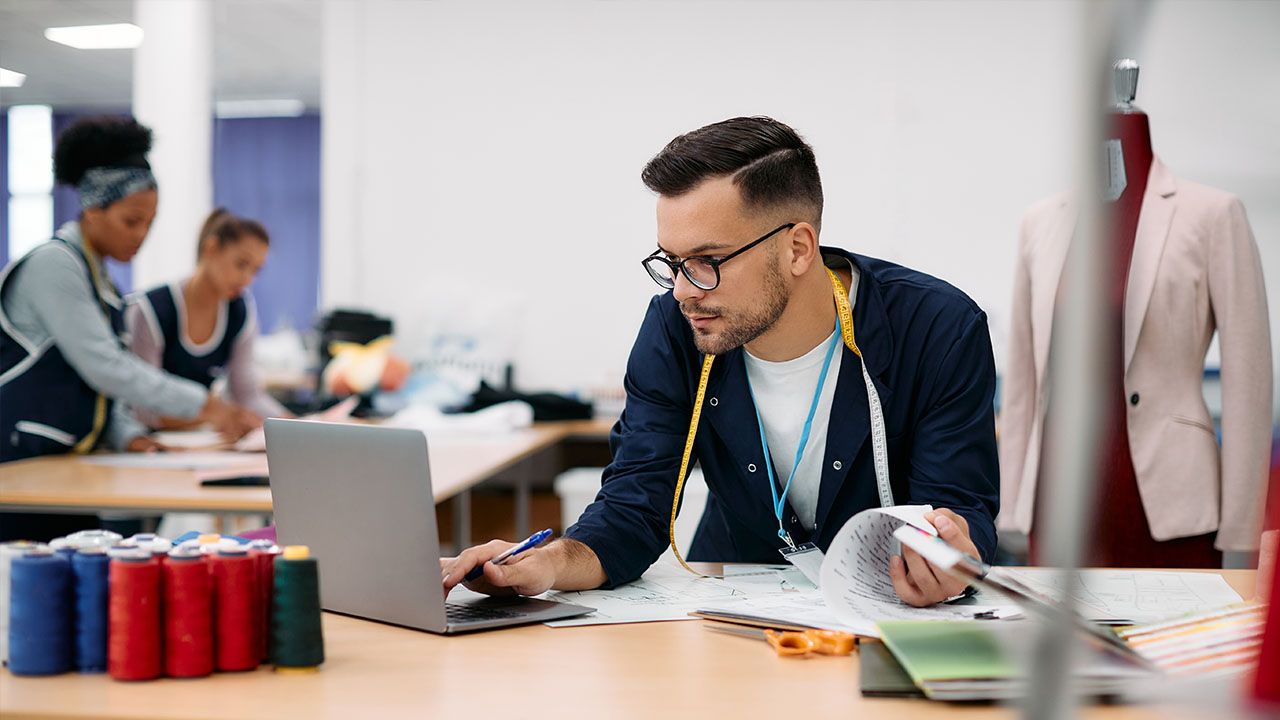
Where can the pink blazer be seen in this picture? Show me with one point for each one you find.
(1195, 269)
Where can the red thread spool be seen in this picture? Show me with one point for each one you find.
(188, 617)
(235, 602)
(264, 552)
(134, 648)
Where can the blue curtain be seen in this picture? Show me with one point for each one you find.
(268, 169)
(66, 201)
(4, 188)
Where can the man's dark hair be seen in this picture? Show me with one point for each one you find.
(770, 163)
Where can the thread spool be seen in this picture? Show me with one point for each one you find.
(40, 614)
(297, 642)
(90, 566)
(94, 538)
(235, 593)
(8, 551)
(63, 547)
(152, 543)
(188, 616)
(264, 552)
(134, 649)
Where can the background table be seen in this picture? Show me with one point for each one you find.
(67, 484)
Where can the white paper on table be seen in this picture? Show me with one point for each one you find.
(664, 592)
(791, 608)
(189, 439)
(856, 585)
(1140, 596)
(256, 440)
(172, 460)
(756, 580)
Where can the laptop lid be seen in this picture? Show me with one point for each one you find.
(360, 497)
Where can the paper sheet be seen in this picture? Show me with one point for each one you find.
(174, 460)
(1141, 596)
(757, 580)
(256, 440)
(664, 592)
(856, 585)
(189, 439)
(799, 608)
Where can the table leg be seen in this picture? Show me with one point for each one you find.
(524, 501)
(462, 520)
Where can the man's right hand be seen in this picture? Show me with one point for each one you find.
(563, 564)
(532, 572)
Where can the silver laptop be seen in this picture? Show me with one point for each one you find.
(360, 497)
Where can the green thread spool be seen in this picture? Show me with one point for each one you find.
(297, 644)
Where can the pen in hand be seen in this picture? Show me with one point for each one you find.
(531, 542)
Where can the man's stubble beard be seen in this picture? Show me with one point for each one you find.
(741, 328)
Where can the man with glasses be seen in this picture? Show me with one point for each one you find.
(828, 382)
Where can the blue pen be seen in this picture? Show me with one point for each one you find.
(531, 542)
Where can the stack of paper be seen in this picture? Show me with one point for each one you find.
(1220, 642)
(988, 661)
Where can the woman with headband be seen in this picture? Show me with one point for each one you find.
(203, 328)
(66, 374)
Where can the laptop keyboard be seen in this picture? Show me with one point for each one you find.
(457, 612)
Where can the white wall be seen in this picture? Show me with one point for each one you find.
(481, 167)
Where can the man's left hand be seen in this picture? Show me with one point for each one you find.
(915, 580)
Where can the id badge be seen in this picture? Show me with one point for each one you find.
(807, 558)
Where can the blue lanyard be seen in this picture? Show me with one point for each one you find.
(780, 502)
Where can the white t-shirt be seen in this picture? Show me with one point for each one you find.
(783, 392)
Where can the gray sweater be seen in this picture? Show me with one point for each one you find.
(49, 297)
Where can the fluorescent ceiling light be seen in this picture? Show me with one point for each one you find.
(97, 37)
(279, 107)
(9, 78)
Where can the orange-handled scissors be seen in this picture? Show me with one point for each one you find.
(794, 643)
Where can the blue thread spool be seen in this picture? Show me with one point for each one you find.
(90, 567)
(8, 551)
(63, 546)
(40, 614)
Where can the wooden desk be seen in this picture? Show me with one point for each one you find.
(664, 670)
(66, 484)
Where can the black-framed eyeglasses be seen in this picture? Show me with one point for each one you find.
(703, 272)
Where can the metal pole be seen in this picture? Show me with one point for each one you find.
(1082, 353)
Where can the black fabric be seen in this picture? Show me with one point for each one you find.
(175, 358)
(546, 406)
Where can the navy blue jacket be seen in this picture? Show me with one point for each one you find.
(929, 354)
(46, 408)
(176, 359)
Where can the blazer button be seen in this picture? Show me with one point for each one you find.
(1133, 399)
(794, 520)
(714, 402)
(751, 467)
(836, 465)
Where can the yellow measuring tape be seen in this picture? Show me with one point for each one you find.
(845, 316)
(100, 405)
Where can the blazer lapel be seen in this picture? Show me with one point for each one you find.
(1154, 220)
(1046, 278)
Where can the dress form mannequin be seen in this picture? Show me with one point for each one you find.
(1120, 534)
